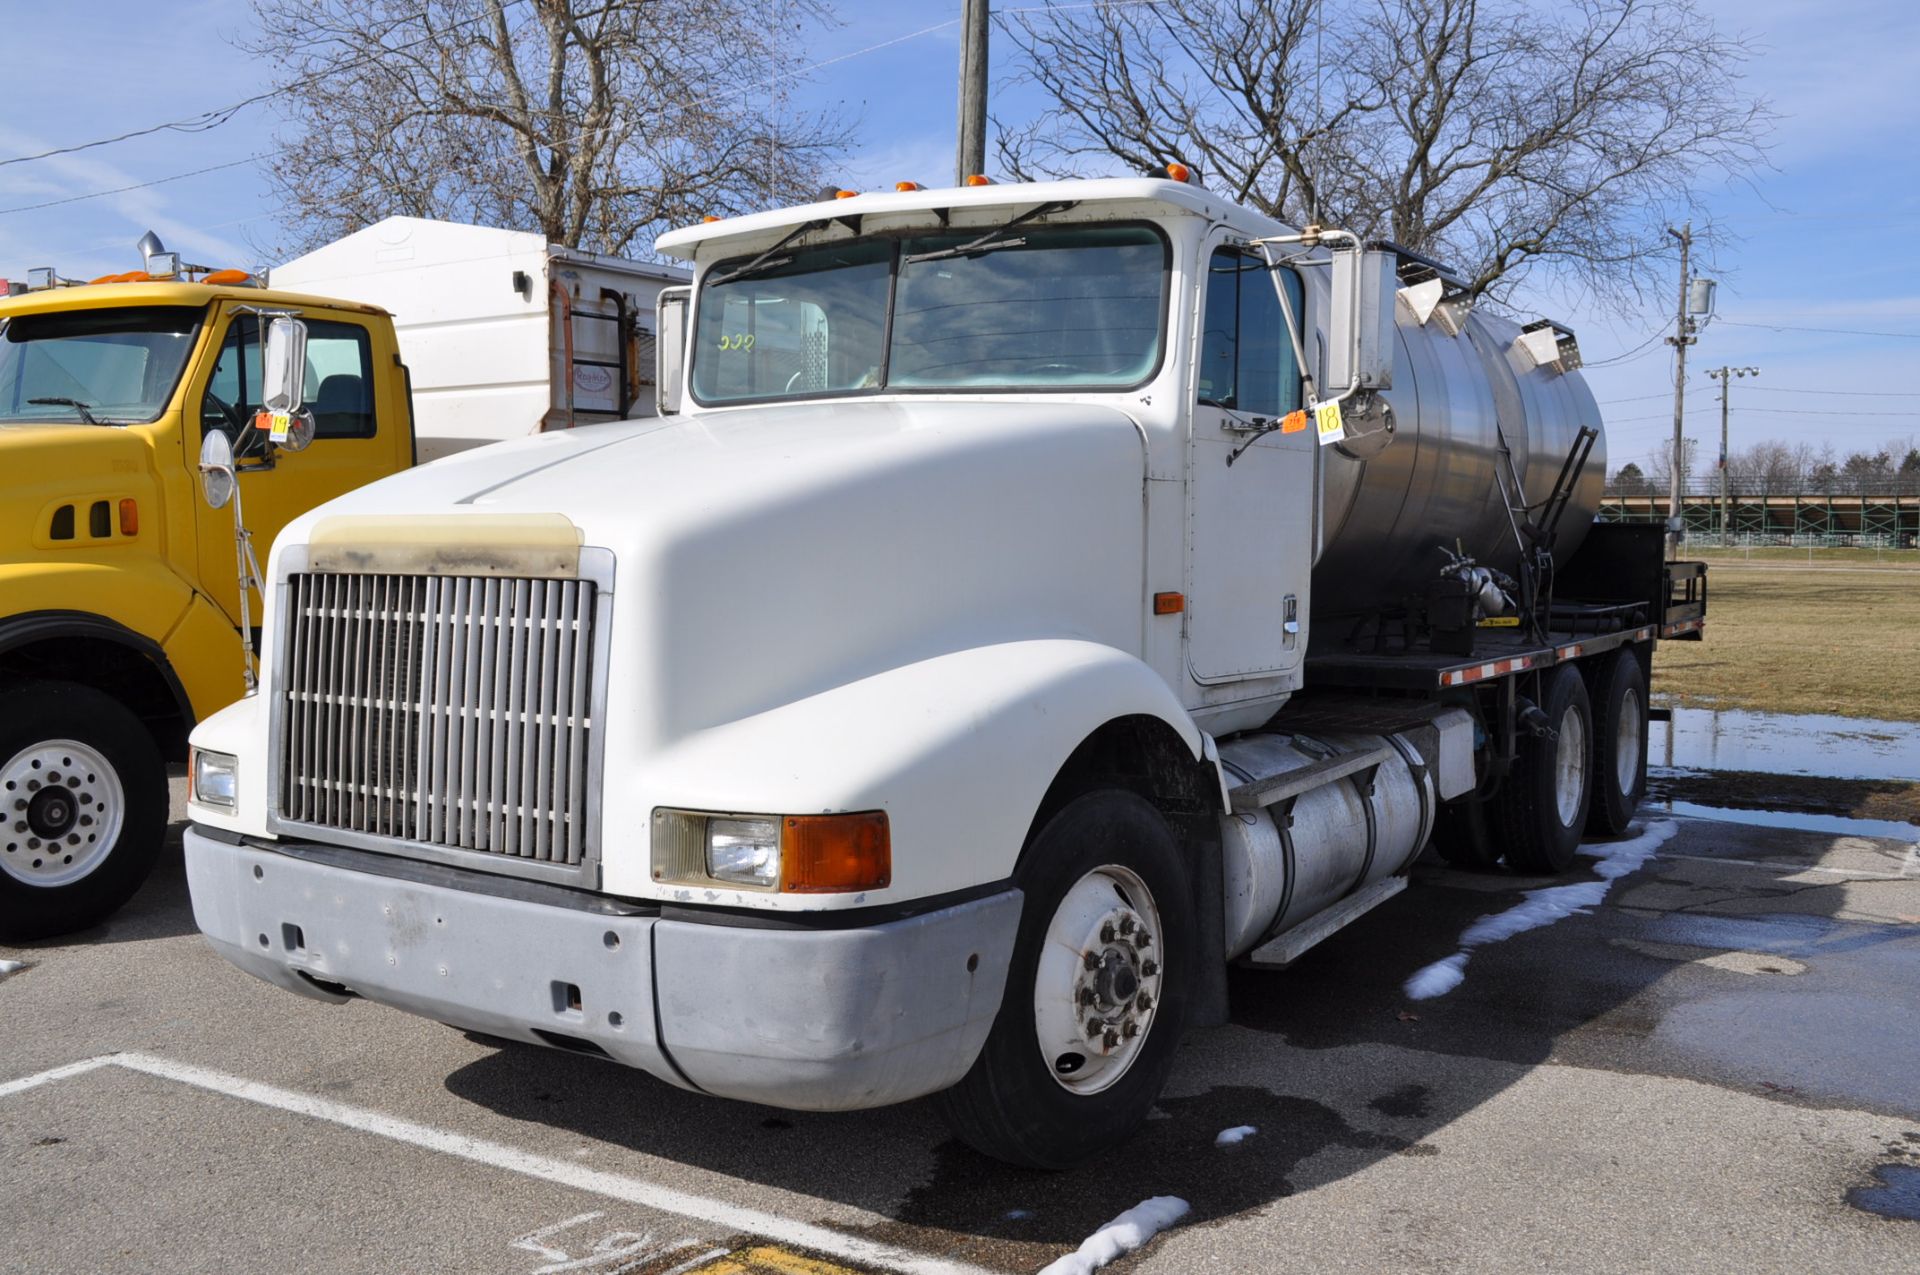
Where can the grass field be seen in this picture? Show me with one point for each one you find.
(1785, 639)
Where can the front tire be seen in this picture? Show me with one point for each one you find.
(84, 797)
(1541, 810)
(1097, 992)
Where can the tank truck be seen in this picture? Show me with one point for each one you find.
(1032, 600)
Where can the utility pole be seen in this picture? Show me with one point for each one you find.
(1696, 297)
(972, 157)
(1723, 375)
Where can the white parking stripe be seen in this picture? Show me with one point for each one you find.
(55, 1073)
(500, 1156)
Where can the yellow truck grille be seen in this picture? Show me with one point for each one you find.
(443, 711)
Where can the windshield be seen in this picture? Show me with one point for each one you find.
(120, 364)
(1065, 308)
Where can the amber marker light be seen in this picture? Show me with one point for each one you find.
(845, 194)
(1179, 172)
(835, 854)
(709, 219)
(1169, 603)
(907, 186)
(129, 517)
(979, 179)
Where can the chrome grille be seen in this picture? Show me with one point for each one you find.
(450, 711)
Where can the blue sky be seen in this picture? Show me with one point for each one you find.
(1829, 239)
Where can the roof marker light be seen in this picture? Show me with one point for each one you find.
(708, 220)
(906, 186)
(845, 194)
(979, 179)
(1179, 172)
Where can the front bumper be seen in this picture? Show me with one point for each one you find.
(814, 1019)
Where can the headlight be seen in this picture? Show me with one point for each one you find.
(216, 779)
(797, 854)
(744, 851)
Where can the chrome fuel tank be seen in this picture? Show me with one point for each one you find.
(1389, 501)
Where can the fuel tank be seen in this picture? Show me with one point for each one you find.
(1395, 493)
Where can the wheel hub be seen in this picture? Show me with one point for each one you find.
(61, 807)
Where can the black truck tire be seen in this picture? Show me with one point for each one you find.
(84, 793)
(1540, 811)
(1462, 837)
(1619, 690)
(1047, 1091)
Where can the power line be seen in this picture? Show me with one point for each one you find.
(1635, 352)
(192, 124)
(121, 190)
(1788, 327)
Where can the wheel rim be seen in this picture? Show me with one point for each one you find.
(1097, 989)
(1626, 743)
(1570, 766)
(64, 806)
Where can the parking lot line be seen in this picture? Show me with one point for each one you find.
(500, 1156)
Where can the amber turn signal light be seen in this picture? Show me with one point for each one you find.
(1169, 603)
(835, 854)
(129, 517)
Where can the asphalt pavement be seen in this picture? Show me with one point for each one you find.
(1717, 1069)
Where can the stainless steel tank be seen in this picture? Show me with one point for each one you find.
(1391, 500)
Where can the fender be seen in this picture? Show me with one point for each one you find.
(35, 626)
(958, 749)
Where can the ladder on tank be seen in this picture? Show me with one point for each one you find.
(619, 369)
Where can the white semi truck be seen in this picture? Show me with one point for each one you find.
(1033, 599)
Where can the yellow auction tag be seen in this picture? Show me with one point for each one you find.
(282, 422)
(1326, 420)
(1501, 622)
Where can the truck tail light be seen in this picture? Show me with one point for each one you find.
(835, 854)
(129, 517)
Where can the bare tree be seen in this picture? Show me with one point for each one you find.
(594, 122)
(1660, 464)
(1503, 136)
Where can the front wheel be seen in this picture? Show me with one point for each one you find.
(1097, 991)
(84, 798)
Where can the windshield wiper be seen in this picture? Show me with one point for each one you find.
(991, 241)
(767, 260)
(74, 403)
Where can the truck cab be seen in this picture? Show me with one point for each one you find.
(1031, 599)
(120, 597)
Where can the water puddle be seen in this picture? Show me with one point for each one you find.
(1786, 743)
(1840, 825)
(1898, 1196)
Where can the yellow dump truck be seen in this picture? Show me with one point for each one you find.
(121, 619)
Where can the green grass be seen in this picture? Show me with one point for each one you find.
(1798, 641)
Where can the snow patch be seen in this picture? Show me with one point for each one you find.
(1122, 1235)
(11, 967)
(1239, 1133)
(1542, 907)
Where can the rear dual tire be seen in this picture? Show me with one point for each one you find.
(1619, 690)
(1539, 813)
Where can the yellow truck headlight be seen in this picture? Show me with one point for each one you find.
(213, 779)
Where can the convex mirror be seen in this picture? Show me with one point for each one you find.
(217, 480)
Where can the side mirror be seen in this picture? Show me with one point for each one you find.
(283, 372)
(1361, 327)
(217, 480)
(669, 348)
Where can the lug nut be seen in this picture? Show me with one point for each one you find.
(1111, 1039)
(1087, 959)
(1130, 1029)
(1126, 925)
(1093, 1029)
(1149, 969)
(1145, 1002)
(1086, 996)
(1142, 939)
(1106, 932)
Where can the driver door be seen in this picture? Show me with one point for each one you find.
(355, 440)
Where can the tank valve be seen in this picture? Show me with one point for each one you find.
(1537, 723)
